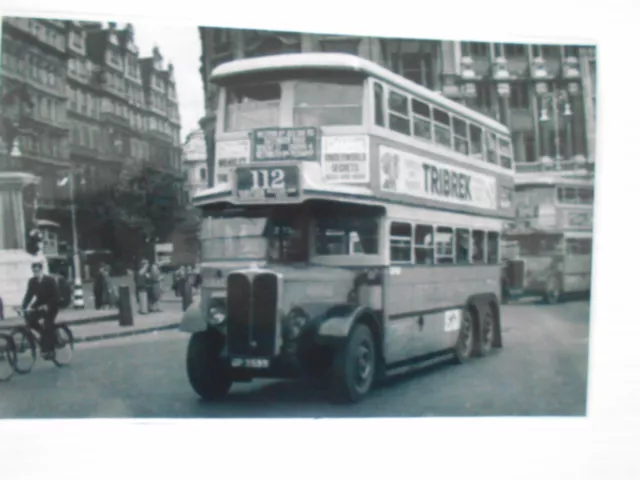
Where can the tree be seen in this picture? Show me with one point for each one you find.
(143, 208)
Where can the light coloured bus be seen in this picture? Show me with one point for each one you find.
(353, 229)
(554, 235)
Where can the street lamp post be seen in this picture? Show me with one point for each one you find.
(501, 76)
(78, 295)
(559, 102)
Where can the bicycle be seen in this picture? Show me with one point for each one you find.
(26, 339)
(7, 357)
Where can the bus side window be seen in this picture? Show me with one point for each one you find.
(477, 253)
(461, 136)
(491, 147)
(462, 245)
(493, 245)
(423, 245)
(442, 127)
(378, 93)
(505, 153)
(444, 245)
(400, 240)
(421, 120)
(476, 142)
(399, 113)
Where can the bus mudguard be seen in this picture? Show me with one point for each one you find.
(192, 319)
(336, 323)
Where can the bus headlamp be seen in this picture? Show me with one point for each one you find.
(295, 321)
(216, 317)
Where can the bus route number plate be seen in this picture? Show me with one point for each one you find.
(268, 183)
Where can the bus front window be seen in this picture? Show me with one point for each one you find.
(252, 106)
(328, 103)
(276, 236)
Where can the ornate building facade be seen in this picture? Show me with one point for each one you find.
(194, 163)
(86, 103)
(536, 90)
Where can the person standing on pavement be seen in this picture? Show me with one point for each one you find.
(155, 287)
(45, 290)
(101, 290)
(142, 283)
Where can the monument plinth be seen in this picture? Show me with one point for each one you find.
(15, 262)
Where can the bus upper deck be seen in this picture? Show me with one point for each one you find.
(342, 125)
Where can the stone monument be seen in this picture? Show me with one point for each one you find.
(15, 262)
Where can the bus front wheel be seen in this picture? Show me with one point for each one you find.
(208, 375)
(355, 366)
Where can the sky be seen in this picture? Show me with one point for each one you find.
(179, 45)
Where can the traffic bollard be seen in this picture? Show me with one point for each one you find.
(187, 294)
(125, 309)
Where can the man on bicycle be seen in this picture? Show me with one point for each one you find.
(45, 290)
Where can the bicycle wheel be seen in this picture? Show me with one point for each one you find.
(64, 346)
(25, 348)
(7, 357)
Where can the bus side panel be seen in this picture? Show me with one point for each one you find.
(428, 292)
(577, 273)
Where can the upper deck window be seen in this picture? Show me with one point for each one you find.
(399, 113)
(327, 103)
(252, 106)
(442, 127)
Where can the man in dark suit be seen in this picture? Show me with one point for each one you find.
(47, 298)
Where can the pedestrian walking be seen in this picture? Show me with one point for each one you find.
(142, 282)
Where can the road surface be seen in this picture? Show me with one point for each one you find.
(542, 370)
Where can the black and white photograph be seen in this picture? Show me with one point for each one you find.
(205, 220)
(354, 227)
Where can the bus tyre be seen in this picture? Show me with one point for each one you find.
(464, 345)
(208, 375)
(487, 331)
(552, 291)
(354, 366)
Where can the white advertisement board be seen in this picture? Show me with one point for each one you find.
(423, 177)
(345, 159)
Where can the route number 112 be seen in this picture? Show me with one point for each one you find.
(267, 178)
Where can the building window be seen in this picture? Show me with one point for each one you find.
(203, 174)
(479, 49)
(571, 51)
(514, 50)
(483, 99)
(519, 97)
(341, 46)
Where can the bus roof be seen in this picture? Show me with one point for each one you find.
(343, 61)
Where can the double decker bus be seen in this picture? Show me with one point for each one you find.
(553, 235)
(353, 229)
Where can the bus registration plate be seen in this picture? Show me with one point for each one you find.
(260, 363)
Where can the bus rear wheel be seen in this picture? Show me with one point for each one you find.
(487, 330)
(208, 375)
(466, 337)
(552, 292)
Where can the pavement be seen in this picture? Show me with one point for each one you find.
(542, 370)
